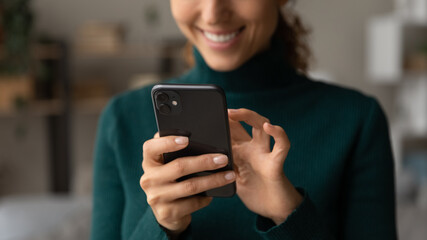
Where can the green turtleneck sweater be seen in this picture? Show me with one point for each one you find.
(340, 159)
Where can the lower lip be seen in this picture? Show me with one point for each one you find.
(222, 45)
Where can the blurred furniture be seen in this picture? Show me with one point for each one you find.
(59, 124)
(396, 48)
(396, 58)
(100, 38)
(46, 217)
(14, 88)
(46, 92)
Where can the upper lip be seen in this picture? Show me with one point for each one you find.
(221, 32)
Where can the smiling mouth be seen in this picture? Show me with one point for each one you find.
(221, 38)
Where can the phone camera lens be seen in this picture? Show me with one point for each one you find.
(162, 97)
(165, 109)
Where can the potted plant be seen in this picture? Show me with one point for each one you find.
(15, 82)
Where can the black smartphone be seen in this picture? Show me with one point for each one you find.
(198, 111)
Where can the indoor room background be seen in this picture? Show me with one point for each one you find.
(74, 55)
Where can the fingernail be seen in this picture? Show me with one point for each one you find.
(232, 110)
(181, 140)
(230, 176)
(222, 159)
(268, 124)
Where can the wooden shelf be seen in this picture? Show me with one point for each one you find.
(37, 108)
(42, 108)
(134, 51)
(41, 51)
(46, 51)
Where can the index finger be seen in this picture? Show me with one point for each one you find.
(237, 132)
(248, 116)
(153, 149)
(256, 121)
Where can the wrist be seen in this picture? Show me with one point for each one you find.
(290, 202)
(278, 221)
(172, 234)
(174, 230)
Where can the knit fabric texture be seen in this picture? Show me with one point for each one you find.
(340, 159)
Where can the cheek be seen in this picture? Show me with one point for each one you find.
(185, 14)
(262, 16)
(183, 11)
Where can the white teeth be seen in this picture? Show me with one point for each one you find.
(220, 37)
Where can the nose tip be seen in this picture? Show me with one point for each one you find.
(215, 12)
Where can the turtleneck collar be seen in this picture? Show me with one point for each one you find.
(266, 70)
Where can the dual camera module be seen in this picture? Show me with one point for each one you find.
(167, 102)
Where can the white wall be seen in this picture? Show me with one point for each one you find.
(63, 17)
(338, 41)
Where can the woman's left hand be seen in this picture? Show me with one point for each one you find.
(261, 182)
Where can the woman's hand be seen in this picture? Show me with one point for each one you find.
(173, 202)
(261, 182)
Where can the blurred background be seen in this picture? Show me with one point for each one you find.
(61, 60)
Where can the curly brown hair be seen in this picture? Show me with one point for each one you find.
(294, 34)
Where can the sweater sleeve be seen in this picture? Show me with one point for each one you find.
(368, 200)
(302, 223)
(108, 200)
(108, 194)
(148, 228)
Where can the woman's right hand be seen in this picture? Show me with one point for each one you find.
(173, 202)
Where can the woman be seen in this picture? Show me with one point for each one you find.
(336, 182)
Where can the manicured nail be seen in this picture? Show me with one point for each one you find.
(230, 176)
(181, 140)
(222, 159)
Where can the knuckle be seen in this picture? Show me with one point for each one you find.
(284, 148)
(286, 142)
(245, 111)
(145, 146)
(152, 199)
(144, 165)
(179, 166)
(280, 152)
(219, 180)
(145, 182)
(190, 187)
(216, 180)
(281, 131)
(164, 213)
(206, 160)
